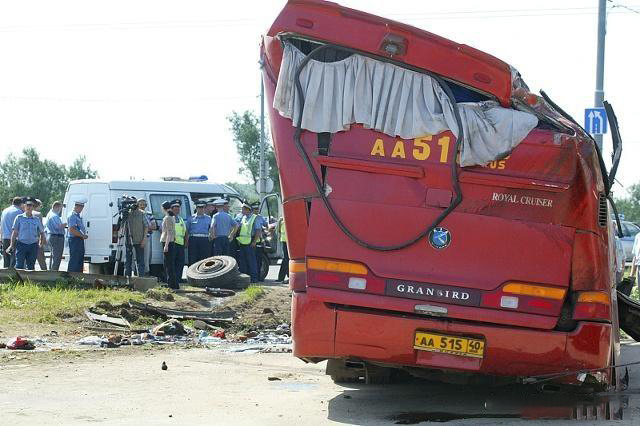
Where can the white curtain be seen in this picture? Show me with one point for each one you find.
(395, 101)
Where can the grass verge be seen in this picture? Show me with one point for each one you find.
(49, 304)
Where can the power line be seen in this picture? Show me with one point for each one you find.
(623, 7)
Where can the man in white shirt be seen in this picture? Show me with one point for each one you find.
(635, 263)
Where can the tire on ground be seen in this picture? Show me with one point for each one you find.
(216, 271)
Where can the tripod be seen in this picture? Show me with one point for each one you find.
(124, 242)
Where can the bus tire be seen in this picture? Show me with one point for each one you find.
(216, 271)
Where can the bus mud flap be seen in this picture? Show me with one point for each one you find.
(629, 315)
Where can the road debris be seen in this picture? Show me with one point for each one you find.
(171, 327)
(19, 343)
(224, 316)
(121, 322)
(273, 379)
(165, 368)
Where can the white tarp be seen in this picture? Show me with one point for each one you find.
(395, 101)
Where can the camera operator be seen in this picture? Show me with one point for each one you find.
(135, 237)
(150, 222)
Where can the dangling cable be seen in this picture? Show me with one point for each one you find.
(454, 168)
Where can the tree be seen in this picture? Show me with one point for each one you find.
(247, 191)
(245, 128)
(630, 206)
(28, 174)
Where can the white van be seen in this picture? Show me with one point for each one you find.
(101, 212)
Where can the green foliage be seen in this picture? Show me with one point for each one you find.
(52, 303)
(246, 135)
(246, 190)
(630, 205)
(253, 293)
(28, 174)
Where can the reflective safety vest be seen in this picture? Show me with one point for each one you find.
(283, 232)
(181, 230)
(244, 237)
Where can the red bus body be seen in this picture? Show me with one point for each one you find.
(535, 218)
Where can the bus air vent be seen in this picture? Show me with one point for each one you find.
(602, 210)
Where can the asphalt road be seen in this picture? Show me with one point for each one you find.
(209, 386)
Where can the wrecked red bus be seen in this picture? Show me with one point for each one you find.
(441, 218)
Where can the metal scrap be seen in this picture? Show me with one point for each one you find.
(225, 316)
(120, 322)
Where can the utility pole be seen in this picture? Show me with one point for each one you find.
(602, 30)
(262, 183)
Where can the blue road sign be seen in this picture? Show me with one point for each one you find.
(595, 121)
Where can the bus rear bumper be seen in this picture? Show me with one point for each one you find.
(321, 330)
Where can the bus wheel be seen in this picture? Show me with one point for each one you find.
(376, 375)
(342, 371)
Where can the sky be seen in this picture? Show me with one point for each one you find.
(142, 88)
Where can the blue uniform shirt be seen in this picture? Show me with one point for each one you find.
(54, 224)
(199, 224)
(29, 228)
(75, 220)
(223, 223)
(8, 218)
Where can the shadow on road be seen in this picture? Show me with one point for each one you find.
(414, 401)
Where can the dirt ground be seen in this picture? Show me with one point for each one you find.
(210, 386)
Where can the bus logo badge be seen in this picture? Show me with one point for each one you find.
(440, 238)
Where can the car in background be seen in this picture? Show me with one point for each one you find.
(629, 231)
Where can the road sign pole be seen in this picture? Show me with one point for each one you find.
(602, 29)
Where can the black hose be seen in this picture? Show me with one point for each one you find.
(454, 168)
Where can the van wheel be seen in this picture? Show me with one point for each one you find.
(264, 267)
(216, 271)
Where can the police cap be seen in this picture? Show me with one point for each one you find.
(81, 201)
(220, 202)
(176, 202)
(166, 205)
(200, 203)
(29, 200)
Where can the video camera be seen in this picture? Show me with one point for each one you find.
(126, 205)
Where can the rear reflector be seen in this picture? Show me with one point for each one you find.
(534, 290)
(336, 266)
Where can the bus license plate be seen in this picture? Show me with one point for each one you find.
(454, 345)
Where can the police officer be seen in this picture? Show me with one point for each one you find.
(77, 235)
(182, 238)
(27, 236)
(222, 228)
(8, 217)
(42, 262)
(283, 273)
(247, 240)
(198, 229)
(262, 223)
(54, 230)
